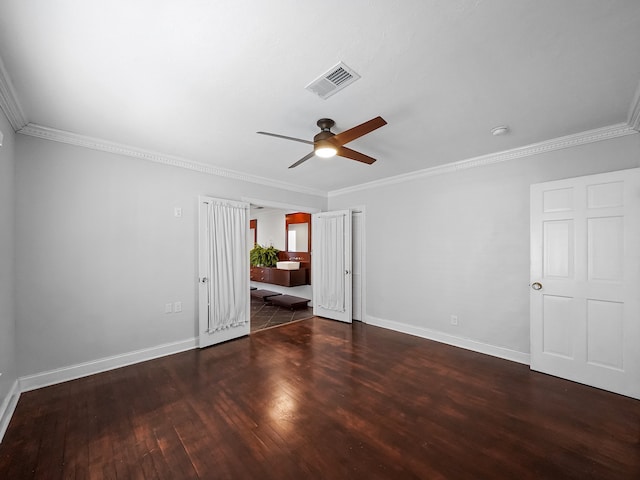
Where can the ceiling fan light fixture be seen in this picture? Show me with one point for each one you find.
(325, 150)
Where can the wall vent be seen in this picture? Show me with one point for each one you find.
(333, 81)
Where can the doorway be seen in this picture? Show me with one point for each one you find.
(270, 229)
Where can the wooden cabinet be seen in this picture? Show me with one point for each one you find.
(260, 274)
(286, 278)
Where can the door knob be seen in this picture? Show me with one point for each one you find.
(536, 286)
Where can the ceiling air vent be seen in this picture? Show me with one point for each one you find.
(333, 81)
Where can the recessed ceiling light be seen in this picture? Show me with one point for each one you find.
(501, 130)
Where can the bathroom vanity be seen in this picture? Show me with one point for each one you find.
(277, 276)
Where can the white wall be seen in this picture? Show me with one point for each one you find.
(459, 243)
(99, 251)
(271, 225)
(7, 317)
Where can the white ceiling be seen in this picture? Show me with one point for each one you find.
(196, 79)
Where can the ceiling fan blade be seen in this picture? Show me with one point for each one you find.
(353, 155)
(286, 138)
(356, 132)
(303, 159)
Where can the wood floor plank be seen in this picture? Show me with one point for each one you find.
(317, 399)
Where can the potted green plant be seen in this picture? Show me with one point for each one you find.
(263, 256)
(271, 256)
(256, 256)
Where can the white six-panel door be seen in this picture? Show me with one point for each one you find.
(585, 280)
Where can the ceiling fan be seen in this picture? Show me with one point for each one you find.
(328, 144)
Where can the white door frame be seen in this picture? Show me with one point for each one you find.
(359, 251)
(280, 205)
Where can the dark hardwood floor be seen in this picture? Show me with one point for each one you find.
(264, 315)
(326, 400)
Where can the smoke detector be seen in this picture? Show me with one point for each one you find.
(332, 81)
(501, 130)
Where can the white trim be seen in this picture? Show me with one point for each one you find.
(9, 104)
(466, 343)
(62, 136)
(363, 259)
(9, 101)
(281, 206)
(634, 111)
(583, 138)
(8, 407)
(64, 374)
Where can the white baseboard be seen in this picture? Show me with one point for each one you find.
(7, 408)
(59, 375)
(461, 342)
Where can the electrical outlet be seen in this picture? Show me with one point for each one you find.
(177, 307)
(177, 211)
(454, 320)
(168, 308)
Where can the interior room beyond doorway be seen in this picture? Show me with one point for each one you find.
(269, 227)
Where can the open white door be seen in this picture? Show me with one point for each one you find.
(224, 302)
(585, 279)
(331, 265)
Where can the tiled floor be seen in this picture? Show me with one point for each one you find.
(264, 315)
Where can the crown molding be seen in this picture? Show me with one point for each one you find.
(634, 111)
(583, 138)
(62, 136)
(9, 101)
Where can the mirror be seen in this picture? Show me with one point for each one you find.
(297, 237)
(298, 232)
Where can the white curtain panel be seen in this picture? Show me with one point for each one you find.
(228, 259)
(331, 265)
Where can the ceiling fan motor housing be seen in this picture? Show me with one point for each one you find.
(325, 125)
(324, 135)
